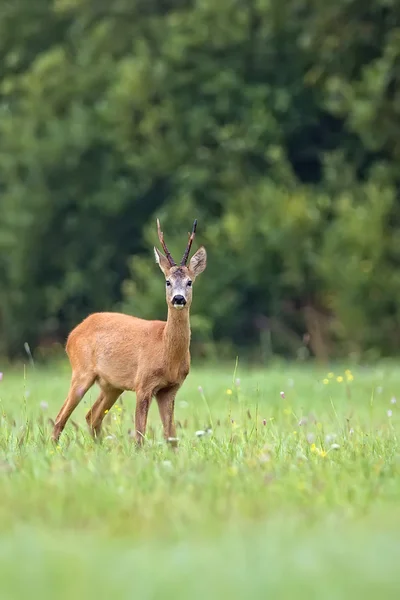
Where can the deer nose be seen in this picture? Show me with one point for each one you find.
(180, 300)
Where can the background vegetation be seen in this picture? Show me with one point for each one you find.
(274, 122)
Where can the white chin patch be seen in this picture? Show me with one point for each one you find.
(179, 306)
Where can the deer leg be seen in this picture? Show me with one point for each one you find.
(77, 390)
(103, 404)
(166, 404)
(143, 400)
(90, 416)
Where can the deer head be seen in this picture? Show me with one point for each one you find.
(179, 278)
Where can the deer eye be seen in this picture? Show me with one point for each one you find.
(167, 283)
(189, 283)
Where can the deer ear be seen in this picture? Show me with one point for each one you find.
(162, 261)
(198, 262)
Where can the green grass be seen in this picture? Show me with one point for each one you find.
(261, 507)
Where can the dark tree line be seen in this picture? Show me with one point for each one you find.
(274, 122)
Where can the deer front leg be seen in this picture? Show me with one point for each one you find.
(166, 405)
(143, 400)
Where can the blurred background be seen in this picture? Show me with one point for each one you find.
(275, 123)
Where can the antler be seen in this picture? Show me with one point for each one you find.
(190, 242)
(163, 244)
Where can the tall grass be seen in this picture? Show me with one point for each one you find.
(286, 483)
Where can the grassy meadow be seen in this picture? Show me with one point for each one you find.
(286, 483)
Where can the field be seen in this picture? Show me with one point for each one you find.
(295, 491)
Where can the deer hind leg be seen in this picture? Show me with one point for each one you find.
(78, 388)
(143, 401)
(93, 413)
(106, 400)
(166, 403)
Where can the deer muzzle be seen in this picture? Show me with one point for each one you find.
(178, 301)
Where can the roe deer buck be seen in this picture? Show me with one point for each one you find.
(121, 352)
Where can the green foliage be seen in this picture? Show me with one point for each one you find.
(274, 123)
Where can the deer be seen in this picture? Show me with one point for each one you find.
(120, 352)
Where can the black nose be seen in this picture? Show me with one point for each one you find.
(179, 300)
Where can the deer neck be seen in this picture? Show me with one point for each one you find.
(177, 334)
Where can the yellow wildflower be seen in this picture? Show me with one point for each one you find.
(318, 451)
(331, 375)
(325, 381)
(350, 377)
(106, 411)
(347, 372)
(229, 392)
(339, 379)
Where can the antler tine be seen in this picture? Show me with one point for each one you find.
(164, 245)
(190, 242)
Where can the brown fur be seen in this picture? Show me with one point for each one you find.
(120, 352)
